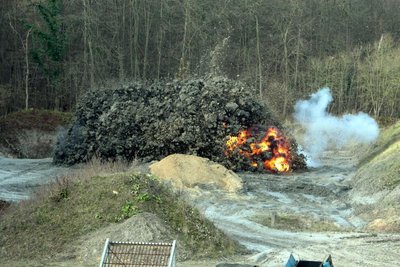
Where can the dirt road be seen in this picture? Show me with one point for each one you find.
(20, 177)
(305, 213)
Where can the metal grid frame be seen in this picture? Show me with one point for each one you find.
(135, 254)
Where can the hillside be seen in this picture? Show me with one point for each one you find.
(31, 133)
(75, 215)
(376, 185)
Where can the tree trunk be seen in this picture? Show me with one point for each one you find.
(130, 37)
(296, 68)
(182, 63)
(146, 46)
(121, 46)
(160, 40)
(27, 69)
(136, 38)
(91, 63)
(259, 59)
(86, 18)
(286, 78)
(25, 48)
(85, 34)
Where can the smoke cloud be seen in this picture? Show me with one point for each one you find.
(323, 130)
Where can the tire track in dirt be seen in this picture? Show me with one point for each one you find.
(319, 194)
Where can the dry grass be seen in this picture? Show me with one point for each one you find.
(98, 195)
(387, 137)
(80, 173)
(96, 166)
(376, 185)
(380, 168)
(296, 223)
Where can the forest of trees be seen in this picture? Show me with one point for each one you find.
(52, 51)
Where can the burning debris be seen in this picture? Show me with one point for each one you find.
(264, 149)
(152, 121)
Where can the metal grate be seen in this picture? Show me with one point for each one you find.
(135, 254)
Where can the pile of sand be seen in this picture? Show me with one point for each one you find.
(188, 171)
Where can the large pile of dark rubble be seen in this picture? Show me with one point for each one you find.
(150, 121)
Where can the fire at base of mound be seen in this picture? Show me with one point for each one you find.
(261, 149)
(151, 121)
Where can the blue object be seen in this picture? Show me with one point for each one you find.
(292, 262)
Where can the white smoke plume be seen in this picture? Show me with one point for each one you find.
(323, 130)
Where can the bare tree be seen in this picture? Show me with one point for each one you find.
(260, 89)
(147, 37)
(25, 46)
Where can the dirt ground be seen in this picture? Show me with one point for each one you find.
(20, 177)
(306, 213)
(315, 205)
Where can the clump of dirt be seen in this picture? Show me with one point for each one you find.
(4, 205)
(143, 227)
(151, 121)
(31, 133)
(189, 171)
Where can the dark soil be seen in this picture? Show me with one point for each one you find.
(4, 206)
(151, 121)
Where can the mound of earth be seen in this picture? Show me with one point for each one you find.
(152, 121)
(376, 185)
(143, 227)
(189, 171)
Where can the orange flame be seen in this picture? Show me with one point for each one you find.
(271, 151)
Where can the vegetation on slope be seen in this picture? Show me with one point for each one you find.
(377, 182)
(387, 138)
(47, 225)
(382, 161)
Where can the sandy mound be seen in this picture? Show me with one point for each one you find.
(388, 224)
(189, 171)
(143, 227)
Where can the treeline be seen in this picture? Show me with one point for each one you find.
(52, 51)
